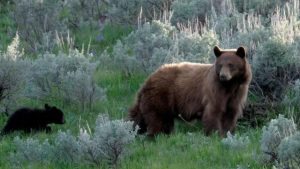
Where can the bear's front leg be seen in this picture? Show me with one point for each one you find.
(229, 119)
(47, 129)
(211, 120)
(234, 109)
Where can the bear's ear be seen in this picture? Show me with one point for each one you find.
(241, 52)
(47, 106)
(217, 51)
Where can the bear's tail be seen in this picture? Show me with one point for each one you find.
(136, 116)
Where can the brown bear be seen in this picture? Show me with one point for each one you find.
(213, 93)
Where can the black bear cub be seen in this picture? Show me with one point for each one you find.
(27, 120)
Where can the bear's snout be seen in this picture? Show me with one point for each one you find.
(224, 77)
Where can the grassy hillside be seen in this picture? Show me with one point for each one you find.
(186, 147)
(125, 51)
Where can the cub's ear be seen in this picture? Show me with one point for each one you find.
(217, 51)
(241, 52)
(47, 106)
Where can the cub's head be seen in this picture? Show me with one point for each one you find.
(54, 114)
(230, 63)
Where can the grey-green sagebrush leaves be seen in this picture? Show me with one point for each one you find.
(127, 12)
(112, 136)
(66, 77)
(292, 100)
(37, 22)
(289, 151)
(66, 149)
(31, 151)
(235, 142)
(14, 71)
(156, 43)
(107, 145)
(273, 134)
(12, 78)
(184, 11)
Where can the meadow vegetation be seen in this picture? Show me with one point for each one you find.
(89, 58)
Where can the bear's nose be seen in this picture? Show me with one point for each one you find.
(223, 78)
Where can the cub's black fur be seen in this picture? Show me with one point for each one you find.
(27, 120)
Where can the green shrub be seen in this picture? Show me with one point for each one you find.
(107, 145)
(274, 67)
(129, 11)
(13, 76)
(235, 142)
(156, 43)
(292, 97)
(66, 77)
(289, 151)
(31, 151)
(262, 7)
(124, 11)
(66, 149)
(136, 51)
(291, 100)
(187, 10)
(273, 134)
(80, 13)
(37, 22)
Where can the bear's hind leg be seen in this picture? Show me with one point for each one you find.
(138, 119)
(159, 124)
(142, 126)
(168, 124)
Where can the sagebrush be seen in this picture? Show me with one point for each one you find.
(107, 145)
(273, 134)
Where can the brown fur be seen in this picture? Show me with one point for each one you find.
(213, 93)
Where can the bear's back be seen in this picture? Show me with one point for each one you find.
(174, 76)
(21, 115)
(23, 118)
(179, 71)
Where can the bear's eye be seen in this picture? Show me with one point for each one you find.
(231, 66)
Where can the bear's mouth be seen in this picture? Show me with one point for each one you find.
(224, 78)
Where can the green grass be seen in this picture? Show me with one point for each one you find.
(111, 33)
(191, 150)
(120, 91)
